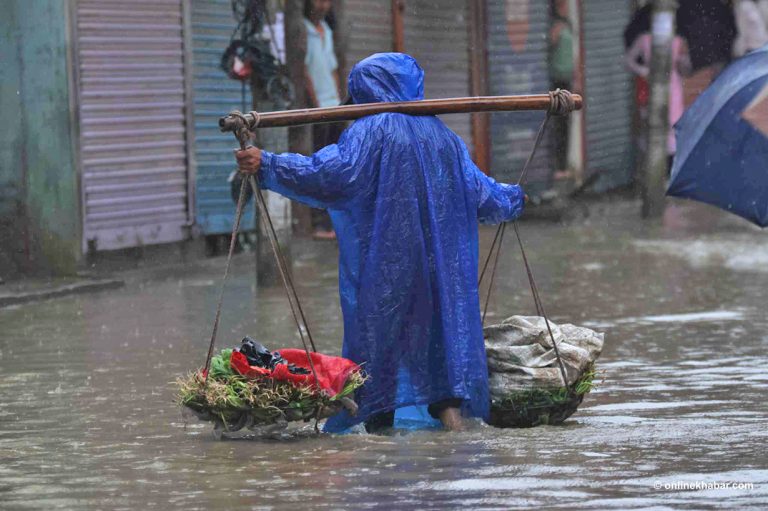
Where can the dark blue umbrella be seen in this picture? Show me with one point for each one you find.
(722, 142)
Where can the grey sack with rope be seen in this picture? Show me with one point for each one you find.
(526, 384)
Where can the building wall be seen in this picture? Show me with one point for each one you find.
(41, 215)
(11, 146)
(369, 27)
(437, 36)
(214, 94)
(608, 92)
(132, 103)
(517, 53)
(39, 199)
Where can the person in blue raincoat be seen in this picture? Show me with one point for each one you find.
(405, 199)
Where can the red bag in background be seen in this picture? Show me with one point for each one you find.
(642, 91)
(332, 372)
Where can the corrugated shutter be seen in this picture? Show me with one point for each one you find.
(214, 94)
(370, 28)
(517, 60)
(608, 90)
(132, 118)
(11, 150)
(437, 35)
(9, 193)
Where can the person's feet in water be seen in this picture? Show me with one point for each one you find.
(448, 411)
(451, 419)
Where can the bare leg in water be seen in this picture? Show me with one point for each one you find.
(449, 413)
(451, 419)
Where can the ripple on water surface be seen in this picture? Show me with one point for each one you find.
(87, 418)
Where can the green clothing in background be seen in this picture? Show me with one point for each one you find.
(561, 55)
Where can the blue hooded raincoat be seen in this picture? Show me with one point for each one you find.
(405, 199)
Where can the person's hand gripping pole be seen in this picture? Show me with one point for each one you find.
(248, 160)
(248, 157)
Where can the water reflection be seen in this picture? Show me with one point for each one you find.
(87, 420)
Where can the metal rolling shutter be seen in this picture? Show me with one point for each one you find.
(10, 191)
(517, 61)
(437, 35)
(370, 31)
(132, 122)
(608, 90)
(214, 94)
(11, 173)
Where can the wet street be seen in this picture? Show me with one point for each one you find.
(87, 419)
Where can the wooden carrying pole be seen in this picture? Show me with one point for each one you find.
(552, 102)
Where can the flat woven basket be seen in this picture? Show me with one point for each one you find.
(536, 412)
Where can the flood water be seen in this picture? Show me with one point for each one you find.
(87, 418)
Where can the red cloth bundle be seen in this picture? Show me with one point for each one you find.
(332, 372)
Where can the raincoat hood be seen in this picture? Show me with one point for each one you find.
(386, 77)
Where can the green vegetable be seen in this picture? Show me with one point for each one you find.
(228, 395)
(220, 367)
(535, 406)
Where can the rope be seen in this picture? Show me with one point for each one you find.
(500, 228)
(285, 274)
(282, 266)
(288, 285)
(241, 134)
(488, 259)
(493, 272)
(539, 306)
(245, 125)
(561, 103)
(243, 119)
(232, 242)
(256, 120)
(245, 122)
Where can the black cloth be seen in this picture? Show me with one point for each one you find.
(638, 25)
(383, 421)
(435, 409)
(259, 356)
(380, 422)
(709, 26)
